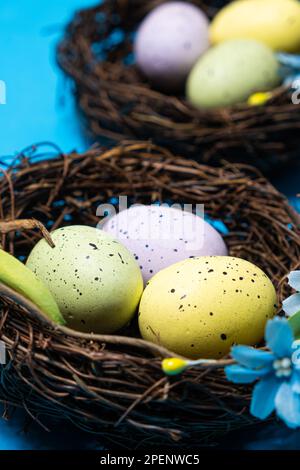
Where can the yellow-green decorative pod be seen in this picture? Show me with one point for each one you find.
(18, 277)
(200, 307)
(273, 22)
(94, 279)
(231, 72)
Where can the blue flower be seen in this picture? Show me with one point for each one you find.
(277, 372)
(291, 305)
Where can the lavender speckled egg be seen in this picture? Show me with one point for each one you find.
(159, 236)
(169, 41)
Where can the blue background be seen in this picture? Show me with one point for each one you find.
(40, 107)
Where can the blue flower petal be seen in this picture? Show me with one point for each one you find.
(241, 375)
(263, 398)
(296, 355)
(291, 305)
(251, 357)
(287, 405)
(290, 60)
(279, 337)
(295, 381)
(294, 280)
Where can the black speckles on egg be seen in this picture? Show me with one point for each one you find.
(172, 291)
(94, 246)
(121, 258)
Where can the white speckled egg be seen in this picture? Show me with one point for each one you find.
(159, 236)
(200, 307)
(94, 279)
(230, 72)
(169, 41)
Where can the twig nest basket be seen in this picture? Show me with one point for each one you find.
(114, 385)
(118, 102)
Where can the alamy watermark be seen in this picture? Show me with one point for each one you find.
(2, 353)
(141, 222)
(2, 92)
(296, 93)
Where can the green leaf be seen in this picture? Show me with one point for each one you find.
(294, 322)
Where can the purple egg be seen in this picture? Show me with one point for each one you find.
(169, 41)
(159, 236)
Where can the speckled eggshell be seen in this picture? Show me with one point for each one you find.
(200, 307)
(169, 41)
(159, 236)
(94, 279)
(273, 22)
(232, 71)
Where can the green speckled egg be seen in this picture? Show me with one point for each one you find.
(93, 278)
(201, 306)
(230, 72)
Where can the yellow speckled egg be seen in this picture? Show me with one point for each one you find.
(274, 22)
(201, 306)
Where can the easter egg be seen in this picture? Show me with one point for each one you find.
(273, 22)
(200, 307)
(169, 41)
(93, 278)
(159, 236)
(232, 71)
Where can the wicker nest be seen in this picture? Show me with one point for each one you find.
(114, 385)
(118, 102)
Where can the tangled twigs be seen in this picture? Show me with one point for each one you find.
(98, 381)
(119, 103)
(25, 224)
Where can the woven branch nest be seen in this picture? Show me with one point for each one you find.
(119, 103)
(114, 385)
